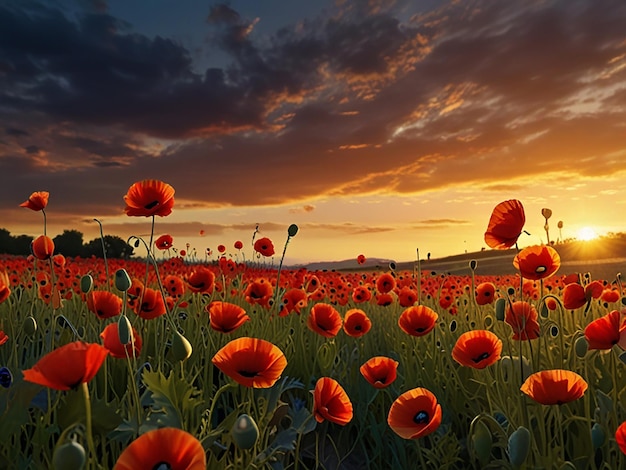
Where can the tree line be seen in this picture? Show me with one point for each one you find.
(69, 243)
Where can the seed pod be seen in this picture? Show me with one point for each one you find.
(122, 280)
(69, 456)
(86, 283)
(292, 230)
(581, 346)
(245, 432)
(473, 264)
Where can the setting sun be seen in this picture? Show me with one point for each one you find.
(586, 234)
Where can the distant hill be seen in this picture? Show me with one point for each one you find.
(603, 258)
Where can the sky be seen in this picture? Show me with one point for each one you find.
(379, 127)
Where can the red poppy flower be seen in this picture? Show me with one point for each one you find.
(42, 247)
(164, 242)
(259, 291)
(554, 387)
(331, 402)
(68, 366)
(620, 437)
(418, 320)
(251, 362)
(3, 337)
(152, 304)
(149, 198)
(37, 201)
(385, 283)
(522, 317)
(356, 323)
(226, 317)
(415, 414)
(407, 297)
(575, 295)
(238, 245)
(174, 286)
(604, 332)
(505, 225)
(294, 300)
(380, 371)
(4, 286)
(201, 280)
(221, 248)
(477, 349)
(384, 300)
(111, 341)
(325, 320)
(360, 259)
(551, 304)
(104, 304)
(163, 448)
(537, 262)
(610, 296)
(264, 246)
(361, 294)
(485, 293)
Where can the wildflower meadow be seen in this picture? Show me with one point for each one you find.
(237, 362)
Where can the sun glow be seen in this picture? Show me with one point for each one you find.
(586, 234)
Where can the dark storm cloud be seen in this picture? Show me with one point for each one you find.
(361, 101)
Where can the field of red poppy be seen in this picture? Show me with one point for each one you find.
(130, 364)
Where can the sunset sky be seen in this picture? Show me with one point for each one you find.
(377, 126)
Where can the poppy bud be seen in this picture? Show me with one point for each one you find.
(500, 309)
(245, 432)
(124, 330)
(6, 378)
(581, 346)
(473, 264)
(518, 446)
(42, 247)
(86, 283)
(292, 230)
(482, 442)
(181, 347)
(122, 280)
(598, 435)
(69, 456)
(29, 326)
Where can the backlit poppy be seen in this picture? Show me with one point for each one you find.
(37, 201)
(325, 320)
(385, 283)
(164, 242)
(174, 286)
(604, 332)
(201, 280)
(149, 198)
(620, 437)
(152, 304)
(380, 371)
(360, 259)
(575, 295)
(104, 304)
(415, 414)
(251, 362)
(4, 286)
(111, 341)
(42, 247)
(485, 293)
(356, 323)
(361, 294)
(164, 448)
(264, 246)
(331, 402)
(259, 292)
(522, 317)
(238, 245)
(68, 366)
(384, 300)
(418, 320)
(610, 295)
(505, 224)
(537, 262)
(477, 349)
(554, 387)
(226, 317)
(221, 248)
(407, 297)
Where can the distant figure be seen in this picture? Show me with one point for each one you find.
(428, 256)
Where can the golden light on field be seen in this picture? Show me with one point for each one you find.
(586, 234)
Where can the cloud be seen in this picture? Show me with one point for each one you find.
(359, 100)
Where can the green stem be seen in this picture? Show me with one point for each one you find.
(104, 254)
(90, 445)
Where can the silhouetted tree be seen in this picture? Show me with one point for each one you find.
(69, 243)
(115, 248)
(11, 245)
